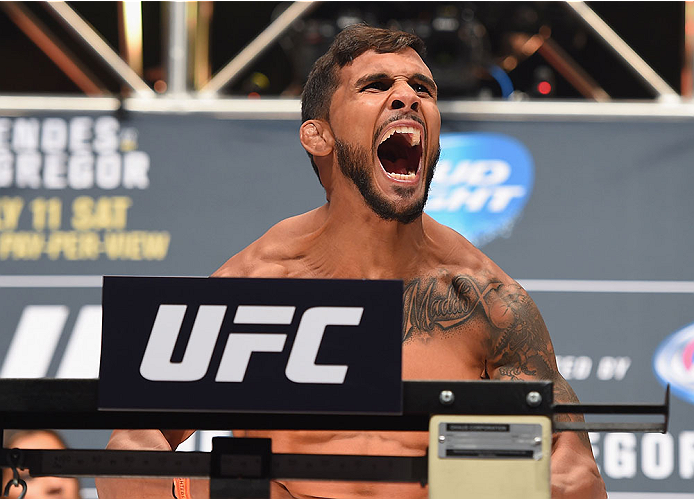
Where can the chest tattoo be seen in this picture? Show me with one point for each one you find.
(426, 307)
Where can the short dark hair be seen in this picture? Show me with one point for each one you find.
(349, 44)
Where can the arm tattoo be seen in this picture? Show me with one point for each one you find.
(519, 341)
(522, 348)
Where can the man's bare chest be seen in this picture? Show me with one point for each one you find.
(447, 326)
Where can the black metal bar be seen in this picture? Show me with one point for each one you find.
(630, 409)
(64, 404)
(240, 468)
(119, 463)
(73, 404)
(613, 427)
(608, 409)
(622, 409)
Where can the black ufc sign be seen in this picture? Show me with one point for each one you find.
(285, 345)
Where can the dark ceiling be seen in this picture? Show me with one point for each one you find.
(460, 59)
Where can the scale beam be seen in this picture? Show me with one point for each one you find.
(73, 404)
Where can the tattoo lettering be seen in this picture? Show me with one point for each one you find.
(425, 308)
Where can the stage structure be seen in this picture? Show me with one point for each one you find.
(594, 221)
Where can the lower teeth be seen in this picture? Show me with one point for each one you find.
(400, 176)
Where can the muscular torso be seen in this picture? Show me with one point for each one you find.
(452, 314)
(464, 318)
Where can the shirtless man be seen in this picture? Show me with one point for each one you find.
(371, 127)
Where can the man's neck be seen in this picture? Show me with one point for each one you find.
(355, 242)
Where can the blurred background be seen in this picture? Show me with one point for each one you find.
(146, 138)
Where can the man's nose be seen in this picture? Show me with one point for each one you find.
(404, 97)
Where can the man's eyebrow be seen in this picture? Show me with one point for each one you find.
(426, 79)
(371, 78)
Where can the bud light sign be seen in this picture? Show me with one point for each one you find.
(673, 363)
(481, 184)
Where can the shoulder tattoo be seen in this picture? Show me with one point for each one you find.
(520, 343)
(523, 349)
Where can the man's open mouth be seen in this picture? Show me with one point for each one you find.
(400, 152)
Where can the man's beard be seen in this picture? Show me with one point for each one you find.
(354, 164)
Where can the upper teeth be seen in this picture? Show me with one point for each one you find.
(412, 134)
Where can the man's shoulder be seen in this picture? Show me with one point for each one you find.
(458, 256)
(249, 263)
(271, 255)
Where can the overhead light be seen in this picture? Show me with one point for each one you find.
(132, 32)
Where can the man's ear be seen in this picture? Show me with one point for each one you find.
(317, 137)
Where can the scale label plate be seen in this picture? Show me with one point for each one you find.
(489, 441)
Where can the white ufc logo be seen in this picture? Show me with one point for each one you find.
(301, 366)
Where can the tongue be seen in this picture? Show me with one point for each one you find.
(397, 166)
